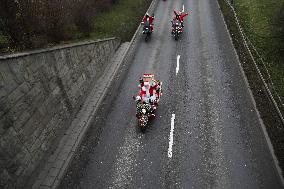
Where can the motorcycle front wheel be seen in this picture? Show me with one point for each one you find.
(176, 37)
(143, 129)
(143, 123)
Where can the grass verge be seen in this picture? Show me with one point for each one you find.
(262, 21)
(121, 20)
(267, 111)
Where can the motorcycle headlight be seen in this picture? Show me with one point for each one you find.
(143, 111)
(146, 28)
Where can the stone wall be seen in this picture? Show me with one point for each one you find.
(40, 92)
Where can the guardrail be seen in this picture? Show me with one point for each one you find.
(246, 41)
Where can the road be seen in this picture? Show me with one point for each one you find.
(217, 138)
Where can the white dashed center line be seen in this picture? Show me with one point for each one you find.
(171, 138)
(177, 68)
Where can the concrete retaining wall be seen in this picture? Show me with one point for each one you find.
(40, 92)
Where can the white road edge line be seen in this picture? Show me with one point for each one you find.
(177, 68)
(171, 138)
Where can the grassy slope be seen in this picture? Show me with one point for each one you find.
(121, 21)
(2, 38)
(258, 20)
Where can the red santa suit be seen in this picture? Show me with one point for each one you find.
(180, 16)
(149, 19)
(145, 92)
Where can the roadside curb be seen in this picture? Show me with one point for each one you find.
(58, 163)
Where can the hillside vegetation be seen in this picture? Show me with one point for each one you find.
(263, 22)
(28, 24)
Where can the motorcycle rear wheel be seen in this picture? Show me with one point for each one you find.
(147, 37)
(176, 37)
(143, 129)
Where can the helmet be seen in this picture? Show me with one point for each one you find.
(147, 14)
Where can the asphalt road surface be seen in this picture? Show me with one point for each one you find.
(217, 138)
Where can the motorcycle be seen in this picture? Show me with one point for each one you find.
(147, 30)
(176, 29)
(145, 110)
(145, 113)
